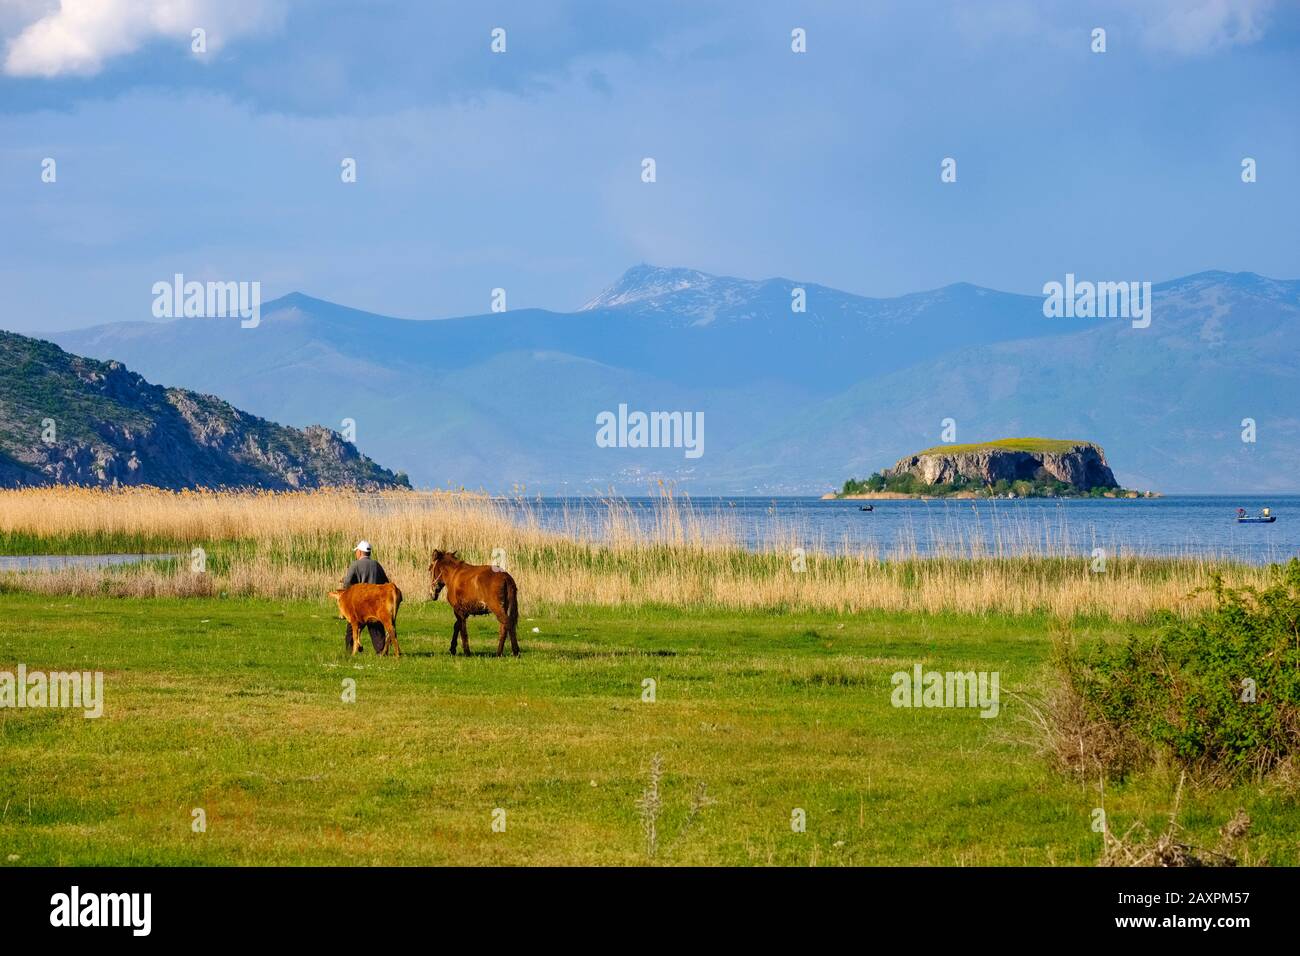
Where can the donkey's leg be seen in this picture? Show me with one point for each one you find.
(356, 636)
(514, 639)
(455, 633)
(391, 640)
(501, 641)
(464, 634)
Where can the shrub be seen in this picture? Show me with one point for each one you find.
(1219, 692)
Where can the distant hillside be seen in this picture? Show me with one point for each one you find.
(65, 419)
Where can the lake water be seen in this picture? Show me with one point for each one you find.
(54, 562)
(1171, 526)
(1178, 526)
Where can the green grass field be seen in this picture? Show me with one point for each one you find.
(235, 707)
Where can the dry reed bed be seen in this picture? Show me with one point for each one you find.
(295, 545)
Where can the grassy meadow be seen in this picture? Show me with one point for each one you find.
(224, 692)
(235, 708)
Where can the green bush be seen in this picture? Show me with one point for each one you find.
(1186, 689)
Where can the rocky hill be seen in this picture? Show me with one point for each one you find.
(1005, 468)
(1079, 464)
(65, 419)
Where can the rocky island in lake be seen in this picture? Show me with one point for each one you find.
(1005, 468)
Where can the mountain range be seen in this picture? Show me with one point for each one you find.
(792, 401)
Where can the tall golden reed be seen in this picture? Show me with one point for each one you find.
(295, 546)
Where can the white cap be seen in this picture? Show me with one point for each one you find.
(363, 546)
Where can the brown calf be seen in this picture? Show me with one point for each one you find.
(362, 603)
(476, 589)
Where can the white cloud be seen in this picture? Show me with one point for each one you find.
(80, 36)
(1204, 26)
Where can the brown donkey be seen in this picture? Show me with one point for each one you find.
(476, 589)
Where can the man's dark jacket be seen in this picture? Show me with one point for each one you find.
(365, 571)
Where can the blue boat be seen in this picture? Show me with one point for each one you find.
(1258, 519)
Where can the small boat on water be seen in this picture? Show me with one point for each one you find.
(1264, 517)
(866, 507)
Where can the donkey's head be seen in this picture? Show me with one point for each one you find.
(437, 566)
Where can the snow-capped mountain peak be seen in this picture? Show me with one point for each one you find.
(689, 296)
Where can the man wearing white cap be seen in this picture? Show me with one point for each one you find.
(365, 570)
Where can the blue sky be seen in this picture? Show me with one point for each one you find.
(522, 170)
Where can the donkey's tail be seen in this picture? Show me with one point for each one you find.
(512, 604)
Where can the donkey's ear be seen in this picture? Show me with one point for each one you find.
(453, 554)
(436, 554)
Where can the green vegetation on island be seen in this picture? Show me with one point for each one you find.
(1052, 446)
(908, 484)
